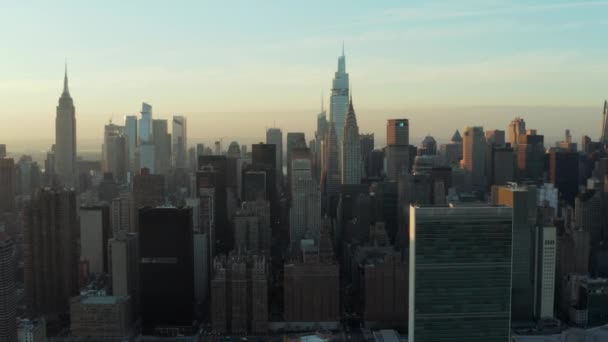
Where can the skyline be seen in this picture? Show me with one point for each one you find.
(425, 61)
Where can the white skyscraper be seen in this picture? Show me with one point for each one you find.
(305, 213)
(146, 143)
(65, 138)
(339, 98)
(179, 137)
(351, 150)
(546, 254)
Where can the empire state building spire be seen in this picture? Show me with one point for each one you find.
(66, 90)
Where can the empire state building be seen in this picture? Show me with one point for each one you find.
(65, 138)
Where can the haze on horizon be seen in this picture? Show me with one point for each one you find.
(235, 70)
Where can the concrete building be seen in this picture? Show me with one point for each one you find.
(531, 156)
(460, 273)
(114, 152)
(563, 173)
(239, 294)
(517, 128)
(51, 251)
(274, 136)
(100, 316)
(452, 152)
(330, 177)
(8, 290)
(522, 199)
(252, 230)
(179, 136)
(94, 234)
(132, 142)
(122, 214)
(162, 146)
(305, 212)
(123, 256)
(311, 285)
(148, 191)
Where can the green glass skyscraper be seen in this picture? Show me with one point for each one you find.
(460, 274)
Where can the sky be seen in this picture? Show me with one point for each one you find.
(235, 67)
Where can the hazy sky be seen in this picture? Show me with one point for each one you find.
(236, 67)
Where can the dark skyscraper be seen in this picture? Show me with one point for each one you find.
(148, 191)
(563, 173)
(295, 140)
(65, 138)
(7, 185)
(8, 291)
(397, 149)
(367, 146)
(460, 274)
(264, 156)
(604, 138)
(530, 158)
(213, 171)
(274, 136)
(166, 268)
(50, 253)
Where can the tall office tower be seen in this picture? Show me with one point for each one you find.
(495, 137)
(295, 140)
(351, 150)
(252, 231)
(531, 156)
(239, 294)
(28, 175)
(8, 290)
(456, 296)
(604, 137)
(474, 155)
(274, 136)
(367, 147)
(544, 263)
(123, 257)
(115, 158)
(179, 134)
(122, 214)
(311, 283)
(132, 141)
(517, 128)
(7, 185)
(94, 234)
(331, 172)
(502, 165)
(428, 146)
(162, 146)
(263, 156)
(147, 150)
(201, 266)
(523, 201)
(65, 138)
(320, 133)
(212, 177)
(2, 151)
(166, 248)
(51, 250)
(338, 101)
(563, 173)
(305, 212)
(397, 148)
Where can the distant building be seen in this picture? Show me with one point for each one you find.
(338, 101)
(460, 273)
(94, 234)
(51, 251)
(517, 128)
(531, 156)
(274, 136)
(123, 256)
(179, 138)
(114, 151)
(428, 146)
(8, 290)
(239, 294)
(545, 266)
(604, 137)
(474, 155)
(147, 150)
(148, 191)
(397, 148)
(100, 316)
(351, 167)
(65, 138)
(162, 146)
(305, 212)
(132, 142)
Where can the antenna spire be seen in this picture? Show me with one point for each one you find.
(342, 48)
(65, 78)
